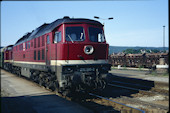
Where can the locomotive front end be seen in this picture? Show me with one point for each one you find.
(84, 57)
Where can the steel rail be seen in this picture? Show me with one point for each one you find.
(125, 87)
(121, 105)
(135, 89)
(130, 84)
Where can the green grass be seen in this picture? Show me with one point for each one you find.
(124, 67)
(113, 67)
(165, 74)
(154, 73)
(140, 68)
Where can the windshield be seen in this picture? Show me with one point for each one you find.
(9, 48)
(96, 34)
(74, 34)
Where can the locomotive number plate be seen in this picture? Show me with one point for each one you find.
(87, 69)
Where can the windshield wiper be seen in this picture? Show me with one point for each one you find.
(81, 36)
(70, 38)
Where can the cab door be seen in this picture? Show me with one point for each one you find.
(48, 50)
(57, 40)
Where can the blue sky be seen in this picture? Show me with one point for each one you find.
(135, 23)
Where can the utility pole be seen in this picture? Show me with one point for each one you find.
(163, 38)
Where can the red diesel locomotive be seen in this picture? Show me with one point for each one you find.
(69, 54)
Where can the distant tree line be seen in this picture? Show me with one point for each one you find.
(138, 51)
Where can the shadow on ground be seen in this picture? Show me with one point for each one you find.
(40, 104)
(130, 82)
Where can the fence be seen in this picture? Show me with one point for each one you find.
(147, 60)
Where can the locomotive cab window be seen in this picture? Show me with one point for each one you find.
(96, 34)
(34, 55)
(26, 45)
(43, 41)
(74, 34)
(9, 48)
(42, 54)
(48, 39)
(38, 55)
(29, 45)
(57, 37)
(34, 42)
(38, 41)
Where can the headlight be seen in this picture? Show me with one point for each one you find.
(88, 49)
(68, 70)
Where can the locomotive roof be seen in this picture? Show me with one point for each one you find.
(9, 47)
(46, 28)
(23, 38)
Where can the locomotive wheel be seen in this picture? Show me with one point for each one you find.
(47, 86)
(102, 84)
(35, 76)
(41, 79)
(41, 82)
(94, 85)
(53, 86)
(31, 77)
(56, 86)
(36, 79)
(19, 74)
(66, 93)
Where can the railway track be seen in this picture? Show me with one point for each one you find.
(149, 92)
(151, 100)
(116, 105)
(100, 104)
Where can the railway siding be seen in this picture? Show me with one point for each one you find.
(159, 80)
(139, 60)
(150, 95)
(117, 105)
